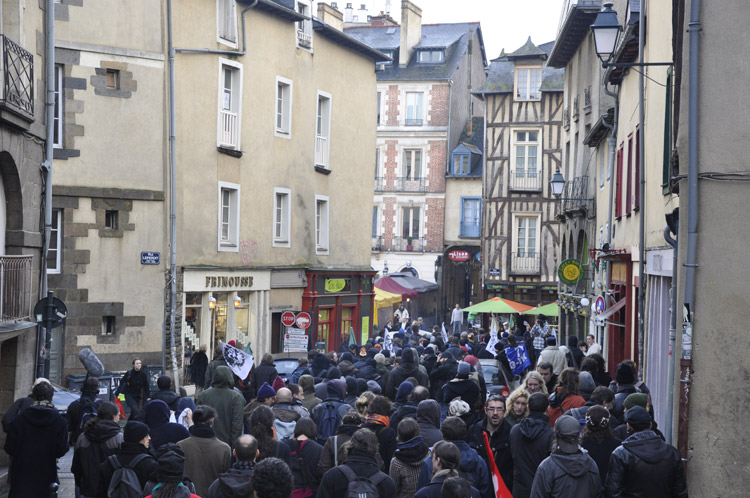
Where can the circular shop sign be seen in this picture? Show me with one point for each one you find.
(570, 272)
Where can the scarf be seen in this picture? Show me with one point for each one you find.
(44, 404)
(378, 420)
(202, 430)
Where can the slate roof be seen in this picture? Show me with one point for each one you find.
(454, 38)
(500, 74)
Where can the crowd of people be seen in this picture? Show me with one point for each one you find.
(407, 414)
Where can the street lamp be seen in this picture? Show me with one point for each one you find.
(606, 29)
(557, 183)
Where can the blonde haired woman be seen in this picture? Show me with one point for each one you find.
(534, 383)
(518, 406)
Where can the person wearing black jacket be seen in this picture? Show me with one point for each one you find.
(409, 409)
(166, 393)
(136, 440)
(236, 481)
(530, 443)
(462, 387)
(265, 372)
(87, 403)
(378, 421)
(407, 368)
(134, 385)
(101, 438)
(644, 465)
(198, 365)
(305, 454)
(498, 433)
(20, 405)
(162, 431)
(445, 370)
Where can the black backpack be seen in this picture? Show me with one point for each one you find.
(362, 487)
(125, 483)
(329, 421)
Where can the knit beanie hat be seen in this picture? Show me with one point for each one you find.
(380, 359)
(635, 399)
(624, 374)
(373, 387)
(266, 391)
(135, 431)
(171, 465)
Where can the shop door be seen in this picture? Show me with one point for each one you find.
(348, 320)
(617, 331)
(326, 327)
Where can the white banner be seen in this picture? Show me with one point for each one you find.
(237, 360)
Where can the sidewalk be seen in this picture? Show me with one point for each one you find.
(67, 483)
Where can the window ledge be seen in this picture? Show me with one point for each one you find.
(229, 152)
(322, 170)
(65, 154)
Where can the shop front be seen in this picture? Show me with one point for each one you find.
(339, 302)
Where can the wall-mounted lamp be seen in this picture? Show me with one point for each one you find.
(211, 302)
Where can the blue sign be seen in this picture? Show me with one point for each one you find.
(495, 272)
(150, 258)
(518, 359)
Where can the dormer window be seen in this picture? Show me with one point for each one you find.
(304, 27)
(390, 54)
(432, 56)
(528, 83)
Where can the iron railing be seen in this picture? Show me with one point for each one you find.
(18, 78)
(575, 108)
(410, 184)
(229, 130)
(377, 244)
(15, 288)
(587, 100)
(525, 262)
(566, 118)
(575, 196)
(379, 184)
(408, 244)
(304, 39)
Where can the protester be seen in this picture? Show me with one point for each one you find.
(408, 458)
(307, 383)
(84, 408)
(462, 387)
(566, 395)
(227, 402)
(101, 438)
(169, 473)
(134, 453)
(261, 423)
(206, 456)
(518, 406)
(428, 418)
(198, 366)
(497, 428)
(235, 482)
(456, 487)
(216, 362)
(445, 460)
(407, 368)
(550, 379)
(378, 421)
(552, 354)
(272, 479)
(598, 439)
(534, 383)
(166, 393)
(305, 455)
(286, 414)
(161, 429)
(530, 443)
(20, 405)
(333, 453)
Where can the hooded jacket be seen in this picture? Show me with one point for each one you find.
(99, 440)
(335, 396)
(227, 402)
(264, 372)
(530, 443)
(168, 396)
(645, 466)
(36, 437)
(428, 418)
(285, 420)
(433, 488)
(234, 483)
(472, 468)
(466, 389)
(343, 434)
(567, 475)
(406, 464)
(161, 429)
(335, 483)
(406, 369)
(441, 374)
(304, 459)
(308, 389)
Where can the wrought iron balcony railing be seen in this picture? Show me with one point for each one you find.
(529, 182)
(15, 288)
(410, 184)
(524, 262)
(409, 244)
(575, 197)
(377, 244)
(587, 100)
(566, 118)
(18, 79)
(575, 108)
(379, 184)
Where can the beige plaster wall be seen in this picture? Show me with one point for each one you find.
(454, 190)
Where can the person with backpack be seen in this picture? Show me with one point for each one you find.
(169, 473)
(134, 385)
(81, 410)
(305, 454)
(101, 438)
(125, 474)
(328, 414)
(359, 475)
(206, 456)
(566, 395)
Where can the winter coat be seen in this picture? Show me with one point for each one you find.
(36, 437)
(206, 457)
(499, 445)
(530, 443)
(100, 439)
(162, 431)
(405, 466)
(135, 384)
(285, 420)
(198, 365)
(234, 483)
(440, 375)
(553, 355)
(74, 413)
(560, 402)
(567, 475)
(215, 363)
(17, 407)
(466, 389)
(621, 393)
(145, 470)
(408, 410)
(335, 483)
(168, 396)
(228, 403)
(601, 453)
(182, 492)
(386, 441)
(405, 370)
(304, 457)
(299, 372)
(308, 389)
(263, 373)
(472, 468)
(645, 466)
(330, 452)
(433, 489)
(335, 396)
(428, 418)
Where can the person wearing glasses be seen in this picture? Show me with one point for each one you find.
(498, 433)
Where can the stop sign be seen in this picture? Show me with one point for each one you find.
(287, 318)
(303, 320)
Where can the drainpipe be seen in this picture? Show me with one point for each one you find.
(612, 145)
(642, 280)
(172, 174)
(448, 146)
(672, 337)
(686, 361)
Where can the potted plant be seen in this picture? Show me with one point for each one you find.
(409, 247)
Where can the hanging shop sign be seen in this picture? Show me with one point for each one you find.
(570, 272)
(333, 285)
(458, 255)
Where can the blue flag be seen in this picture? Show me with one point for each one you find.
(518, 359)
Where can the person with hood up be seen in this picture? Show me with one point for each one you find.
(198, 366)
(169, 474)
(368, 370)
(265, 372)
(235, 482)
(351, 391)
(565, 396)
(530, 443)
(166, 393)
(644, 465)
(332, 454)
(84, 407)
(569, 472)
(101, 438)
(445, 461)
(308, 389)
(334, 400)
(407, 368)
(319, 364)
(161, 429)
(402, 394)
(408, 459)
(305, 456)
(428, 418)
(135, 442)
(37, 437)
(206, 457)
(227, 402)
(378, 421)
(211, 369)
(472, 467)
(445, 370)
(462, 387)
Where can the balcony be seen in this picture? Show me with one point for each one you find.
(15, 288)
(18, 79)
(526, 183)
(379, 184)
(470, 230)
(321, 151)
(304, 39)
(377, 244)
(413, 122)
(409, 184)
(409, 244)
(575, 198)
(524, 263)
(229, 135)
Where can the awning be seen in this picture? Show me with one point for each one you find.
(390, 285)
(551, 309)
(612, 310)
(384, 300)
(411, 282)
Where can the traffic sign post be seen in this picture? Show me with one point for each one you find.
(303, 320)
(49, 312)
(288, 318)
(295, 340)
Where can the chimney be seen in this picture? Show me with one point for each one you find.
(348, 13)
(362, 13)
(329, 15)
(411, 30)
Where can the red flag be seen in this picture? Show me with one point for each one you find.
(119, 405)
(501, 490)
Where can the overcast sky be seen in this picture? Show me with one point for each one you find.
(505, 23)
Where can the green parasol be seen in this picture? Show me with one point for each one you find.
(550, 309)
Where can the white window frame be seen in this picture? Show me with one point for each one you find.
(417, 118)
(232, 243)
(323, 120)
(422, 168)
(400, 226)
(304, 29)
(523, 78)
(526, 182)
(322, 224)
(282, 214)
(432, 52)
(232, 117)
(516, 227)
(59, 102)
(56, 234)
(226, 26)
(284, 98)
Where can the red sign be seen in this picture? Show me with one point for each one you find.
(458, 255)
(287, 318)
(303, 320)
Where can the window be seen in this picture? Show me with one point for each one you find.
(637, 186)
(325, 325)
(111, 220)
(380, 104)
(304, 27)
(58, 118)
(471, 209)
(281, 217)
(410, 222)
(112, 79)
(602, 158)
(434, 56)
(526, 236)
(377, 163)
(528, 83)
(54, 260)
(321, 224)
(229, 216)
(414, 108)
(108, 325)
(389, 53)
(283, 113)
(230, 103)
(461, 164)
(348, 319)
(226, 15)
(323, 130)
(412, 167)
(629, 178)
(618, 185)
(374, 221)
(526, 144)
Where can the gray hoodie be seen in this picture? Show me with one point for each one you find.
(428, 418)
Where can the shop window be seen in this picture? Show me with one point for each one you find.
(325, 326)
(348, 320)
(193, 305)
(220, 318)
(243, 319)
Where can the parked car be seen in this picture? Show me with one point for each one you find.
(63, 398)
(285, 367)
(493, 375)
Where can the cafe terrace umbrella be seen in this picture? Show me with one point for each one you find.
(550, 309)
(498, 305)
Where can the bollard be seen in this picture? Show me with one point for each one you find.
(53, 490)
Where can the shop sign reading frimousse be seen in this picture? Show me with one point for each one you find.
(219, 282)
